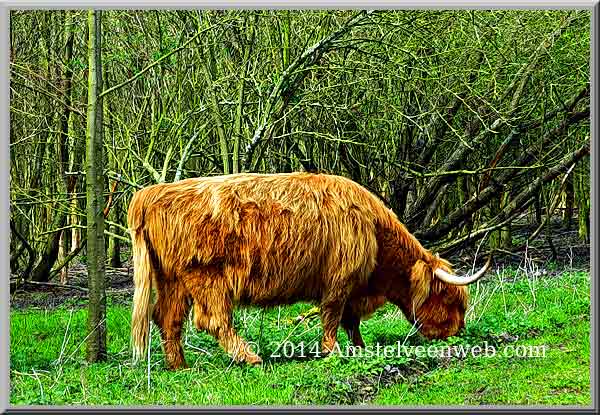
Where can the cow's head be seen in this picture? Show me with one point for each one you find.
(437, 299)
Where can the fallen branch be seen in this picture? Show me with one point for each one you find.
(517, 203)
(54, 284)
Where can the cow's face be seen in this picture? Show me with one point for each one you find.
(442, 314)
(435, 307)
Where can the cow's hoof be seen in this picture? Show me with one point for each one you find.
(178, 366)
(253, 360)
(329, 348)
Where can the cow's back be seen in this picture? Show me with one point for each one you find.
(277, 238)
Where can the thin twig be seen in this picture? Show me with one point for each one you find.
(185, 155)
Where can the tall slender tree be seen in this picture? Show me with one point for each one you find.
(96, 251)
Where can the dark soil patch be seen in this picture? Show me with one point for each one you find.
(365, 388)
(555, 249)
(119, 290)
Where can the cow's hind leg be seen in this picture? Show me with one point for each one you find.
(213, 313)
(169, 314)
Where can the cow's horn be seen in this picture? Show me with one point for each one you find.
(456, 280)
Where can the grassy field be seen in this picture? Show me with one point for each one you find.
(512, 310)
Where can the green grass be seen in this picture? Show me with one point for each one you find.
(48, 366)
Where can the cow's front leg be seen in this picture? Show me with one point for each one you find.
(331, 315)
(357, 310)
(351, 324)
(213, 311)
(218, 322)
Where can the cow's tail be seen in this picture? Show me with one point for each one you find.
(142, 279)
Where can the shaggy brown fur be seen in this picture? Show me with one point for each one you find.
(260, 239)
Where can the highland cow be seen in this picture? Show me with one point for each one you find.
(272, 239)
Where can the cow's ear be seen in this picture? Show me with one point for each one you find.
(421, 276)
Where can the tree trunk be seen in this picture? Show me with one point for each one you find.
(584, 222)
(74, 220)
(208, 64)
(41, 273)
(399, 195)
(582, 199)
(569, 202)
(114, 244)
(15, 233)
(495, 236)
(64, 134)
(96, 251)
(538, 210)
(63, 248)
(506, 230)
(239, 114)
(51, 252)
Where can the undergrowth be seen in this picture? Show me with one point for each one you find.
(512, 308)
